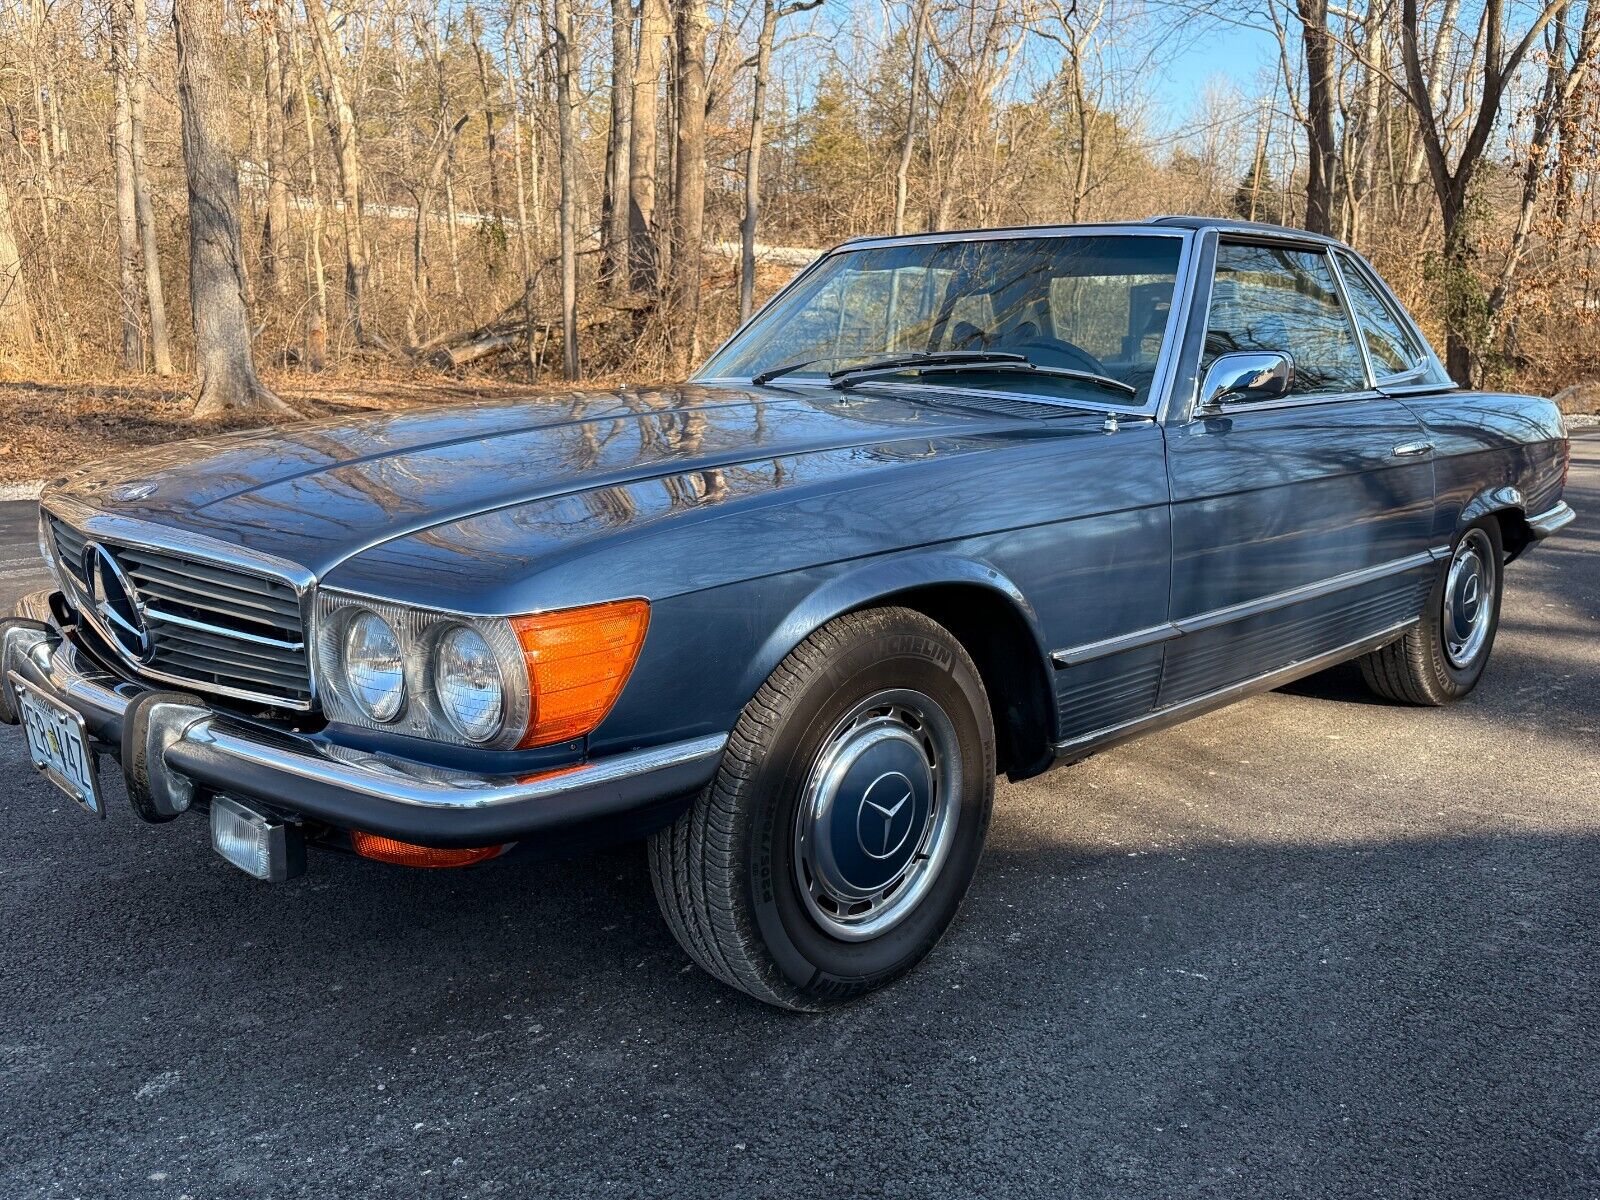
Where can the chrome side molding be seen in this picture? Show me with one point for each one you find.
(1071, 656)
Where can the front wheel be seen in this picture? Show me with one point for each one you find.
(846, 821)
(1443, 656)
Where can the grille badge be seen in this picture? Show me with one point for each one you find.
(115, 601)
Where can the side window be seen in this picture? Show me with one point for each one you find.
(1284, 300)
(1393, 349)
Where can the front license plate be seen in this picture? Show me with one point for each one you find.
(59, 745)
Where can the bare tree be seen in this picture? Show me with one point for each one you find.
(1453, 183)
(227, 374)
(279, 113)
(154, 291)
(771, 14)
(16, 320)
(317, 275)
(130, 302)
(343, 133)
(689, 183)
(1322, 146)
(644, 258)
(1563, 78)
(908, 139)
(566, 53)
(614, 203)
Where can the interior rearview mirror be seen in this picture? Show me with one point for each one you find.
(1248, 375)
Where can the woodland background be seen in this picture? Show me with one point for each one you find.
(565, 189)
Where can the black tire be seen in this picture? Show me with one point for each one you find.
(730, 875)
(1421, 667)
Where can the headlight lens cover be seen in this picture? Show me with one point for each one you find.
(467, 683)
(373, 668)
(501, 683)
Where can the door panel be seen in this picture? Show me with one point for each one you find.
(1296, 529)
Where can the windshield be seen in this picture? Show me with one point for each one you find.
(1088, 304)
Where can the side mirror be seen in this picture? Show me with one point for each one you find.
(1248, 375)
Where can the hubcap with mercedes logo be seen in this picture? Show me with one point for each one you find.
(876, 818)
(115, 603)
(1468, 599)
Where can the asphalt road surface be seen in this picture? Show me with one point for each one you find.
(1310, 945)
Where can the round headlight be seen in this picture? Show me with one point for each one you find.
(373, 670)
(466, 680)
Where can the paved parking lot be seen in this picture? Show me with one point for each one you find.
(1309, 945)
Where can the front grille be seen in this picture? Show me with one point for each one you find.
(69, 550)
(211, 624)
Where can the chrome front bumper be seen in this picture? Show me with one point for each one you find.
(189, 750)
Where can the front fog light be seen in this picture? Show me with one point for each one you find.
(373, 669)
(257, 844)
(467, 684)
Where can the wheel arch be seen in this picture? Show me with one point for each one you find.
(1505, 504)
(982, 608)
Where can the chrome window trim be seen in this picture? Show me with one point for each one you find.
(1239, 407)
(1289, 241)
(1152, 635)
(1350, 317)
(1440, 378)
(1177, 312)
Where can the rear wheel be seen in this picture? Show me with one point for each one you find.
(1444, 655)
(846, 821)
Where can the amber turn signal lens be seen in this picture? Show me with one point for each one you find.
(404, 854)
(578, 659)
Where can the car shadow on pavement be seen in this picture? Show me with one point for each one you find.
(1324, 1019)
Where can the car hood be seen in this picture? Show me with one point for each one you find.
(318, 493)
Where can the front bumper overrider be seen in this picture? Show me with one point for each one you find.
(174, 749)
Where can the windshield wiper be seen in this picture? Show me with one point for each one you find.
(898, 360)
(772, 373)
(971, 360)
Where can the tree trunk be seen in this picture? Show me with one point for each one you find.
(644, 258)
(529, 333)
(316, 348)
(227, 375)
(347, 158)
(154, 291)
(752, 172)
(130, 304)
(1574, 118)
(1463, 308)
(275, 230)
(1321, 96)
(566, 53)
(16, 320)
(908, 143)
(614, 202)
(491, 145)
(689, 184)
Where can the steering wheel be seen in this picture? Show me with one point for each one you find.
(1044, 349)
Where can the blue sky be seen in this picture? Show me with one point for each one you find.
(1213, 49)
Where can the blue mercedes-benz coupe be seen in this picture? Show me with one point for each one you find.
(951, 505)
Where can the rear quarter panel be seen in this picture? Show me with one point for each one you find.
(1491, 450)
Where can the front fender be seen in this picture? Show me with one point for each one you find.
(708, 653)
(878, 581)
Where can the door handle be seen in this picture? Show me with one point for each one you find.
(1413, 449)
